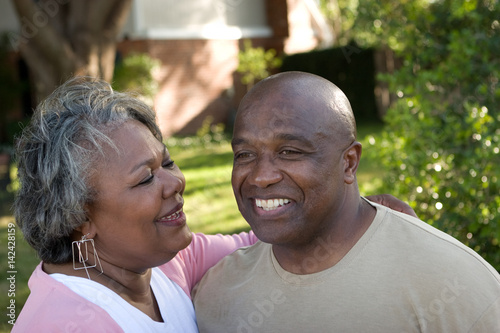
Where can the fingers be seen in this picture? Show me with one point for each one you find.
(392, 203)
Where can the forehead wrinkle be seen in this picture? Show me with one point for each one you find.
(238, 141)
(294, 125)
(294, 137)
(283, 137)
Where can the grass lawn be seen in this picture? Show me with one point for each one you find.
(209, 205)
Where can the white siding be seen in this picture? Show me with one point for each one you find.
(205, 19)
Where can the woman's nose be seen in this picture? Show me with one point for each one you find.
(173, 182)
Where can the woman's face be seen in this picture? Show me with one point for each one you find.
(137, 216)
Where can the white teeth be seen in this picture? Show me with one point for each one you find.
(171, 216)
(271, 204)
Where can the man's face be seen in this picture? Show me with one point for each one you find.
(288, 169)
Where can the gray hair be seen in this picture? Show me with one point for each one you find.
(56, 154)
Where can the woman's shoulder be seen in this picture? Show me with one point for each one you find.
(51, 306)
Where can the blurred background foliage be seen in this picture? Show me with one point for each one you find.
(442, 136)
(135, 73)
(256, 63)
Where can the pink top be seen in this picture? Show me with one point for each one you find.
(53, 307)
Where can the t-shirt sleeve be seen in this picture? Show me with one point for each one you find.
(190, 264)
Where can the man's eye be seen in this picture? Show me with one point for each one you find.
(289, 152)
(240, 156)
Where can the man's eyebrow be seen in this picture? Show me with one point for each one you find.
(290, 137)
(278, 137)
(294, 137)
(237, 141)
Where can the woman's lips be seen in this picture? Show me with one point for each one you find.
(177, 218)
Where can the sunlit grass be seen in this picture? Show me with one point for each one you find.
(209, 203)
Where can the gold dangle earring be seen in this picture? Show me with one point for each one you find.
(82, 247)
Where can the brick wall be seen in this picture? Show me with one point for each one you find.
(198, 78)
(195, 79)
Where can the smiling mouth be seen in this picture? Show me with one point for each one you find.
(170, 217)
(271, 204)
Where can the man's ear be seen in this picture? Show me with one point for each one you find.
(352, 156)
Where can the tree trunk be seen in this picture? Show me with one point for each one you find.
(385, 62)
(62, 38)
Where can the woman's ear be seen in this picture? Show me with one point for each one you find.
(86, 229)
(352, 156)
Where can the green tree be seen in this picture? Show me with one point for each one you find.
(341, 14)
(443, 137)
(134, 73)
(255, 63)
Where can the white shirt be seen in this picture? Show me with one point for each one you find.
(175, 306)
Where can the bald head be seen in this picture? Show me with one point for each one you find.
(318, 99)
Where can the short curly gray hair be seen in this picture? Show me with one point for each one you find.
(56, 154)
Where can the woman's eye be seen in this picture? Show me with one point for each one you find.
(168, 164)
(147, 180)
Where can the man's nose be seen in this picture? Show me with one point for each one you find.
(265, 172)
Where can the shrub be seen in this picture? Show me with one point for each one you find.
(443, 136)
(255, 63)
(135, 73)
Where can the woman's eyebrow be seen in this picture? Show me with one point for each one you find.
(148, 161)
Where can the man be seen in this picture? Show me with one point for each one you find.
(329, 260)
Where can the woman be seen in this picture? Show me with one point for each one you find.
(101, 203)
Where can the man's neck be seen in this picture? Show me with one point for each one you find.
(329, 247)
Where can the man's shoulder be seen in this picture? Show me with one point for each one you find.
(423, 244)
